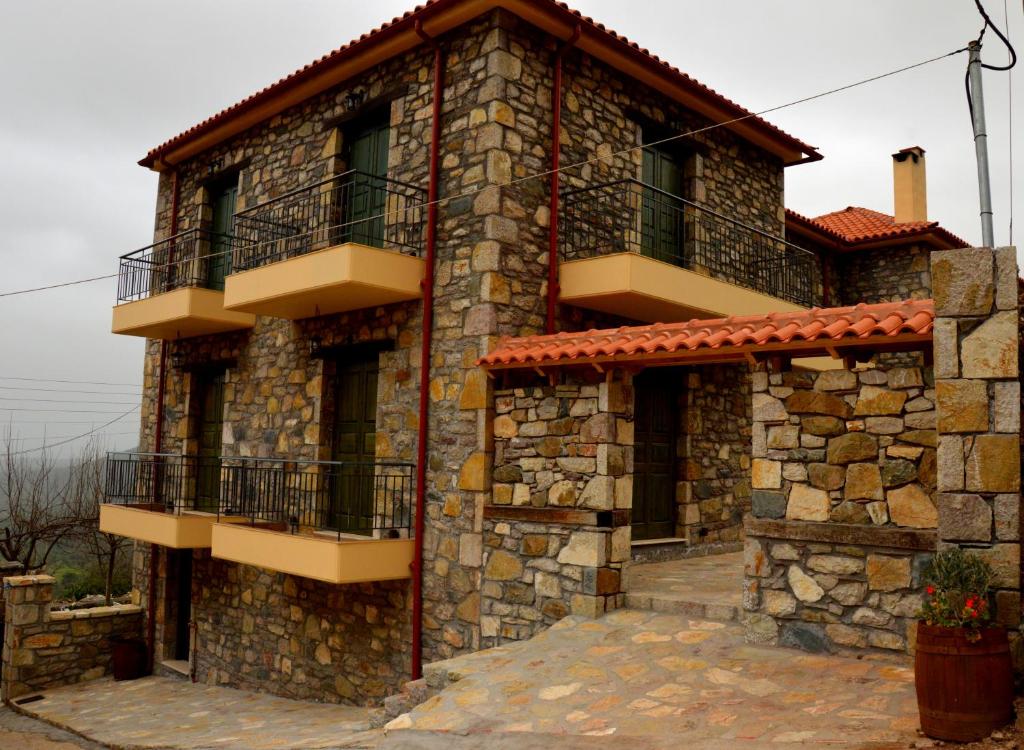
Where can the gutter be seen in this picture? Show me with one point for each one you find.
(556, 148)
(425, 350)
(158, 444)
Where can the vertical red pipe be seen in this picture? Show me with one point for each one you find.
(556, 136)
(425, 347)
(158, 444)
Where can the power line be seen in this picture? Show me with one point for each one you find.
(65, 401)
(58, 411)
(65, 390)
(78, 382)
(76, 437)
(23, 438)
(549, 172)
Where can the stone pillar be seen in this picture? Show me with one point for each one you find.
(978, 400)
(27, 604)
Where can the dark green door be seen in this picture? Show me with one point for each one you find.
(654, 465)
(224, 196)
(662, 209)
(183, 610)
(364, 192)
(210, 422)
(355, 438)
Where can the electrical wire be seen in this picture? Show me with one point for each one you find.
(22, 438)
(561, 169)
(76, 382)
(998, 33)
(90, 402)
(76, 437)
(57, 411)
(65, 390)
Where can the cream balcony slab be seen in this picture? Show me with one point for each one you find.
(645, 289)
(151, 523)
(335, 279)
(178, 314)
(350, 560)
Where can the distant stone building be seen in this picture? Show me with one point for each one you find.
(330, 489)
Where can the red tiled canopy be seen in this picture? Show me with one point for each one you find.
(889, 326)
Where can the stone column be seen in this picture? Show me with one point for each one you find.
(27, 604)
(978, 400)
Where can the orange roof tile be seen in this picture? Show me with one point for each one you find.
(407, 19)
(822, 328)
(855, 225)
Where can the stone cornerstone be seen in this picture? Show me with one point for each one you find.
(44, 649)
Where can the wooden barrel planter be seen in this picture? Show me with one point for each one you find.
(964, 688)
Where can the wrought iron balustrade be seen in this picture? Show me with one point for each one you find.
(163, 481)
(193, 258)
(350, 207)
(629, 216)
(371, 499)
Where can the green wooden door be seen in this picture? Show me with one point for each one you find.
(218, 265)
(662, 209)
(209, 434)
(364, 193)
(654, 446)
(351, 506)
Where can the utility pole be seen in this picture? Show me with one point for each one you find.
(980, 141)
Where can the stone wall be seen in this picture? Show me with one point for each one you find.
(296, 637)
(714, 455)
(843, 519)
(44, 649)
(978, 393)
(555, 538)
(887, 274)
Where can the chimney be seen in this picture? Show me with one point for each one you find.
(910, 189)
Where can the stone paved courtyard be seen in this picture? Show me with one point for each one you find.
(661, 680)
(161, 712)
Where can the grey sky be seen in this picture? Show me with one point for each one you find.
(88, 87)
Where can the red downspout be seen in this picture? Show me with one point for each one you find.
(158, 444)
(556, 136)
(425, 346)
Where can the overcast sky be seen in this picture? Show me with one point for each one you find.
(88, 87)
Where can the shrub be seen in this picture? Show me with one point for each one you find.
(958, 590)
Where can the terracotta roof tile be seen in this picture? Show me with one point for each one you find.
(861, 324)
(408, 17)
(854, 225)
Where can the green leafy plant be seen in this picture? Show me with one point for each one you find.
(958, 590)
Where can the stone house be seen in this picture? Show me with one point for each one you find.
(330, 489)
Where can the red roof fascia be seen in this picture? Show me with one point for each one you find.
(909, 322)
(407, 20)
(854, 226)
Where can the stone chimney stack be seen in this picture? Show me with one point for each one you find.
(910, 189)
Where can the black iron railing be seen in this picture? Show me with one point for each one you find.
(629, 216)
(350, 207)
(168, 482)
(193, 258)
(373, 499)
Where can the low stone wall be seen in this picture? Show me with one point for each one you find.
(556, 534)
(44, 649)
(843, 518)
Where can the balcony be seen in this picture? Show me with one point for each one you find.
(349, 242)
(174, 289)
(632, 250)
(162, 498)
(330, 521)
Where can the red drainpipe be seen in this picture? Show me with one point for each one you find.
(425, 346)
(556, 135)
(158, 444)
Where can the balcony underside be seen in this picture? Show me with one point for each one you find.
(151, 523)
(336, 279)
(179, 314)
(649, 290)
(310, 556)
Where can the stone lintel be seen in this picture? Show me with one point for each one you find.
(841, 533)
(559, 516)
(13, 582)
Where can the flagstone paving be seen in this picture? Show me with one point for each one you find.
(708, 587)
(161, 712)
(663, 680)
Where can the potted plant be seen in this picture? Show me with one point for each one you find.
(962, 666)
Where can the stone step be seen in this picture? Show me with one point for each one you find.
(676, 605)
(412, 694)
